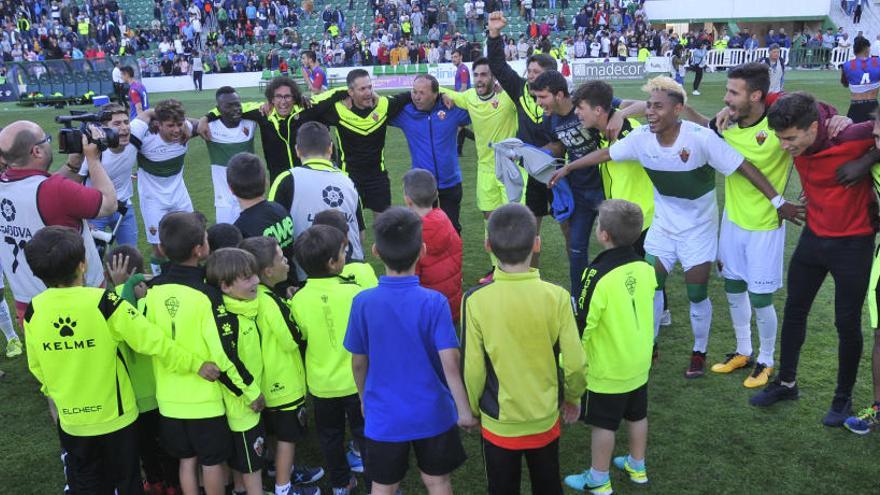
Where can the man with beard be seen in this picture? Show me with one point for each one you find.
(361, 124)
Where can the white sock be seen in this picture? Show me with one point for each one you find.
(767, 321)
(6, 321)
(156, 269)
(741, 317)
(282, 489)
(658, 311)
(701, 322)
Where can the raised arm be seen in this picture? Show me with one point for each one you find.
(512, 82)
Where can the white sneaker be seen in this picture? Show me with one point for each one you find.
(696, 93)
(665, 318)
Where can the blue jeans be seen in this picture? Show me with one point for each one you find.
(128, 231)
(580, 224)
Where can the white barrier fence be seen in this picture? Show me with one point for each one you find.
(445, 73)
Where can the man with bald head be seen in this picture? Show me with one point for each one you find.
(31, 198)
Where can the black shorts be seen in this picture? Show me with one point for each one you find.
(249, 447)
(374, 190)
(284, 424)
(387, 462)
(538, 197)
(606, 410)
(208, 439)
(105, 463)
(861, 110)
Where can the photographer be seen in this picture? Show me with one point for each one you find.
(118, 162)
(31, 198)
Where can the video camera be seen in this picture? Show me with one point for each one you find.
(70, 139)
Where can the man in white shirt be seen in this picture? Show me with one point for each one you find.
(119, 84)
(118, 162)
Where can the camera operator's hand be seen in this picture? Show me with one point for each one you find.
(90, 148)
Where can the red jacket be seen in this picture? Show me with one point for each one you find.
(440, 268)
(834, 210)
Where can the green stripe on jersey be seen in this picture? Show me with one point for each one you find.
(162, 168)
(688, 184)
(220, 153)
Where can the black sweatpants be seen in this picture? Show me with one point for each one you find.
(102, 464)
(464, 133)
(330, 419)
(848, 260)
(158, 465)
(698, 76)
(450, 202)
(197, 79)
(504, 469)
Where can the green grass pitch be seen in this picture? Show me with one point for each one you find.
(704, 437)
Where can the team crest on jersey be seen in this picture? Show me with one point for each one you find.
(375, 116)
(495, 103)
(760, 137)
(7, 209)
(630, 285)
(684, 154)
(153, 230)
(441, 115)
(246, 131)
(258, 446)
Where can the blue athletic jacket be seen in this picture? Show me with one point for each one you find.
(432, 140)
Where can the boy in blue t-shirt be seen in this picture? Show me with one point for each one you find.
(406, 365)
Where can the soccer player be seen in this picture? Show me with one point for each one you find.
(430, 129)
(313, 73)
(680, 158)
(752, 241)
(361, 128)
(161, 188)
(90, 385)
(230, 134)
(862, 76)
(138, 99)
(518, 319)
(838, 239)
(317, 185)
(494, 118)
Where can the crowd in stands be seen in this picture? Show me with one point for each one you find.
(253, 35)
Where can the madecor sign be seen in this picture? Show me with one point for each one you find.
(614, 71)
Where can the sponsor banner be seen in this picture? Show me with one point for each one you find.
(658, 64)
(618, 71)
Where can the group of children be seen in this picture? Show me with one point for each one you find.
(199, 366)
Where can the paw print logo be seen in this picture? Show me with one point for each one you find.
(333, 196)
(132, 313)
(221, 310)
(227, 329)
(7, 209)
(112, 297)
(65, 326)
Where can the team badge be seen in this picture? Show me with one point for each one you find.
(495, 103)
(441, 114)
(258, 446)
(153, 230)
(333, 196)
(684, 154)
(375, 117)
(246, 131)
(760, 137)
(7, 209)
